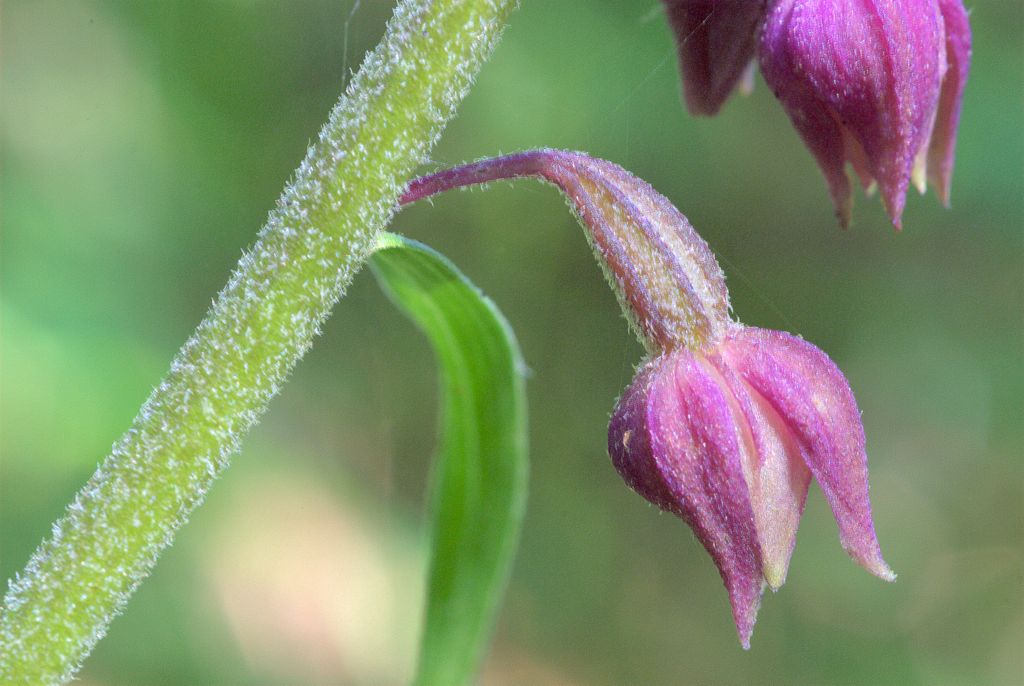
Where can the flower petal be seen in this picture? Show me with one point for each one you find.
(674, 438)
(776, 475)
(780, 57)
(958, 57)
(812, 396)
(872, 66)
(716, 40)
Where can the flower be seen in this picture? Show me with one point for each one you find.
(728, 437)
(724, 425)
(876, 83)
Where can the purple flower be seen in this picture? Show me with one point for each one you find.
(728, 437)
(876, 83)
(724, 425)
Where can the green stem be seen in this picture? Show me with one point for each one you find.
(321, 231)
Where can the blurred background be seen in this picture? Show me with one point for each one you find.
(142, 145)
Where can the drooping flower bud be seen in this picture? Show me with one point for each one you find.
(876, 83)
(724, 425)
(727, 439)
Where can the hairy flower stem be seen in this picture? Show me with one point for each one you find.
(536, 163)
(321, 231)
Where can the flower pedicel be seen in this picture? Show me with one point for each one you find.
(724, 424)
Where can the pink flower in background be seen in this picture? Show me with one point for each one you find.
(724, 425)
(876, 83)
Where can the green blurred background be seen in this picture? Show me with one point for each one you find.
(144, 142)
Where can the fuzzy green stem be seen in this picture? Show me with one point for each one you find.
(321, 231)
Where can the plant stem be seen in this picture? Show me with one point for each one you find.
(318, 235)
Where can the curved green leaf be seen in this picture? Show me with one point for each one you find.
(478, 489)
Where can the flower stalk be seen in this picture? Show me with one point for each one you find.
(320, 233)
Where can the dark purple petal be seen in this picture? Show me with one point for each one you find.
(812, 396)
(716, 40)
(677, 440)
(870, 69)
(958, 58)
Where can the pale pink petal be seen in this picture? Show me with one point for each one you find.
(812, 396)
(776, 475)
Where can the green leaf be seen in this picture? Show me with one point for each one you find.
(478, 489)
